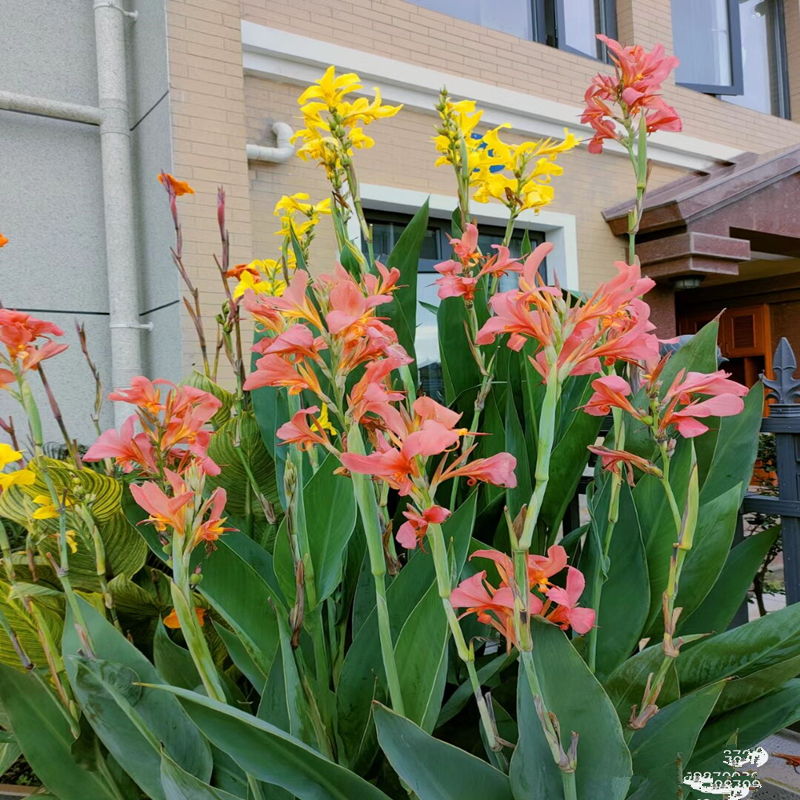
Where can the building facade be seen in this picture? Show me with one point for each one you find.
(208, 78)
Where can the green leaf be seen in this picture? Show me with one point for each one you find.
(234, 586)
(736, 449)
(164, 717)
(237, 438)
(271, 755)
(240, 657)
(572, 693)
(9, 753)
(743, 650)
(173, 662)
(423, 669)
(716, 525)
(435, 770)
(752, 723)
(178, 784)
(43, 733)
(626, 593)
(362, 672)
(465, 693)
(330, 512)
(516, 445)
(730, 590)
(459, 370)
(402, 311)
(740, 691)
(671, 735)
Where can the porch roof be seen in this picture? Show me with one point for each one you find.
(711, 222)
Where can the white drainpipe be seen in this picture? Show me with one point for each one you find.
(115, 147)
(278, 155)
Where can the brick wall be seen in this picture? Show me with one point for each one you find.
(208, 121)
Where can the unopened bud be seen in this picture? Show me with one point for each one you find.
(195, 579)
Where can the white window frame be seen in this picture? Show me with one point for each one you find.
(558, 228)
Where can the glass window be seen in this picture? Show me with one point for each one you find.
(509, 16)
(701, 31)
(386, 230)
(566, 24)
(761, 25)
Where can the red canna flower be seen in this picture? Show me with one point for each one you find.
(413, 531)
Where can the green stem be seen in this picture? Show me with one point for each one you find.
(547, 425)
(602, 565)
(368, 508)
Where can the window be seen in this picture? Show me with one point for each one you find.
(386, 230)
(567, 24)
(734, 49)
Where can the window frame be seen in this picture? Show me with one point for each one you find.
(736, 86)
(608, 25)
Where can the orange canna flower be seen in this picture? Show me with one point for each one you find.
(178, 187)
(3, 240)
(172, 621)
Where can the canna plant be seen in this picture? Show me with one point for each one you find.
(321, 582)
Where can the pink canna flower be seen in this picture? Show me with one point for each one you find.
(294, 303)
(466, 247)
(540, 568)
(685, 386)
(142, 393)
(617, 460)
(213, 527)
(303, 430)
(262, 310)
(568, 614)
(497, 470)
(413, 531)
(165, 512)
(513, 315)
(610, 391)
(296, 341)
(129, 451)
(686, 420)
(500, 263)
(453, 282)
(272, 370)
(33, 356)
(384, 283)
(426, 408)
(349, 308)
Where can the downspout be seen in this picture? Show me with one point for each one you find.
(277, 155)
(115, 148)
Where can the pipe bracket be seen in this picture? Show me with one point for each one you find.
(142, 326)
(131, 15)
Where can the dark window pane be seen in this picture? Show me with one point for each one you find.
(760, 20)
(701, 34)
(382, 238)
(582, 21)
(509, 16)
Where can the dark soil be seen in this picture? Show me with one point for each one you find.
(20, 774)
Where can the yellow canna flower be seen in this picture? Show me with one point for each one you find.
(324, 422)
(8, 455)
(331, 89)
(20, 477)
(47, 508)
(72, 541)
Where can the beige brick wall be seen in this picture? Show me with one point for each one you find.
(208, 128)
(402, 30)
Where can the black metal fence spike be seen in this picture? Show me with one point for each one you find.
(785, 388)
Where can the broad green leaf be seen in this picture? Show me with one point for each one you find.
(43, 733)
(465, 693)
(9, 753)
(402, 311)
(421, 653)
(362, 672)
(236, 439)
(516, 445)
(716, 525)
(730, 590)
(435, 770)
(736, 447)
(743, 650)
(671, 736)
(173, 662)
(330, 512)
(572, 693)
(752, 723)
(740, 691)
(271, 755)
(296, 705)
(164, 717)
(657, 524)
(626, 593)
(570, 454)
(240, 657)
(178, 784)
(459, 370)
(234, 586)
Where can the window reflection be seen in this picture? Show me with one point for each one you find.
(701, 34)
(509, 16)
